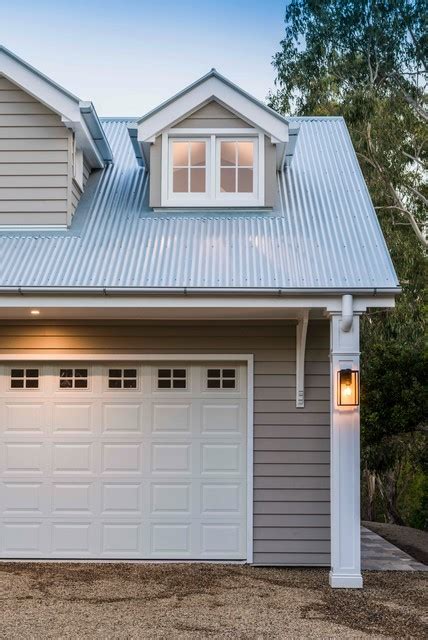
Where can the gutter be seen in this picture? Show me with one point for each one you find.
(194, 291)
(93, 123)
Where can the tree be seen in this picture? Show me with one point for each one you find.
(366, 61)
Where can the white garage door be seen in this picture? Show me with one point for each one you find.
(123, 460)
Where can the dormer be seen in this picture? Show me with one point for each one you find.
(50, 142)
(211, 146)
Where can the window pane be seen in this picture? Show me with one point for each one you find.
(114, 373)
(66, 373)
(17, 384)
(180, 180)
(81, 384)
(245, 180)
(197, 154)
(65, 384)
(17, 373)
(228, 384)
(197, 180)
(179, 373)
(180, 154)
(164, 373)
(213, 373)
(80, 373)
(130, 384)
(228, 373)
(213, 384)
(227, 180)
(32, 373)
(179, 384)
(164, 384)
(245, 154)
(228, 154)
(130, 373)
(115, 384)
(32, 384)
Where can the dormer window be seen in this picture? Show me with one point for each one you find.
(214, 170)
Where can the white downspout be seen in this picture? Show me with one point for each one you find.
(347, 312)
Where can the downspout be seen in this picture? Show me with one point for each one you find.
(347, 312)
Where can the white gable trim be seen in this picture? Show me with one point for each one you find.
(212, 87)
(56, 98)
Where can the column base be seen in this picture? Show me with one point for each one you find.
(343, 581)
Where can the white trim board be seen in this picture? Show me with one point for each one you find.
(247, 359)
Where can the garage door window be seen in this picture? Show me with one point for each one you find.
(24, 379)
(221, 378)
(73, 378)
(172, 379)
(122, 378)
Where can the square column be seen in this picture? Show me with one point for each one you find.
(344, 462)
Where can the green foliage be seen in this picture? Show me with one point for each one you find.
(366, 61)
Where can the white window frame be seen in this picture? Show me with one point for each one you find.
(212, 198)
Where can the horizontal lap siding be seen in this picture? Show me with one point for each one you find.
(291, 447)
(34, 160)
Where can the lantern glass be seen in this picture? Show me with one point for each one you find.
(348, 388)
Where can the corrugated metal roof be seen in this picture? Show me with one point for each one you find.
(323, 233)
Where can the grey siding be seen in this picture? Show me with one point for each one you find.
(212, 115)
(36, 184)
(291, 446)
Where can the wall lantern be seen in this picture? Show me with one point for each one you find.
(348, 388)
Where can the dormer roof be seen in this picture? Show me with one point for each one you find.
(213, 86)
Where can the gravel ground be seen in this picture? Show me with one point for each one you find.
(195, 601)
(412, 541)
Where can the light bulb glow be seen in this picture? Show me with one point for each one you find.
(35, 312)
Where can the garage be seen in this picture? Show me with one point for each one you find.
(124, 459)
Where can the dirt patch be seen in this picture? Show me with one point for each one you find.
(412, 541)
(196, 601)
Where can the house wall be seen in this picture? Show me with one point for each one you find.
(291, 446)
(35, 162)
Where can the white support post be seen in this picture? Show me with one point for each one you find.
(344, 461)
(301, 331)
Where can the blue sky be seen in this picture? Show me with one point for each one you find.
(127, 56)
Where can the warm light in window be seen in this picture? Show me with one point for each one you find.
(35, 312)
(348, 391)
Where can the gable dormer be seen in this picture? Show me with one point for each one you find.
(211, 146)
(50, 142)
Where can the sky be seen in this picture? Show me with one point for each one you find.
(127, 56)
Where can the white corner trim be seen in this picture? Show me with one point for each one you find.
(301, 332)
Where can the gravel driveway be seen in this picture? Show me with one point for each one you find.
(197, 601)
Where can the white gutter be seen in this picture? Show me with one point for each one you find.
(347, 300)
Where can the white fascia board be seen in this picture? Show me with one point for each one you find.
(212, 89)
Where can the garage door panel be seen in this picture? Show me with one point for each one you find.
(121, 499)
(73, 418)
(122, 473)
(74, 458)
(23, 417)
(122, 418)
